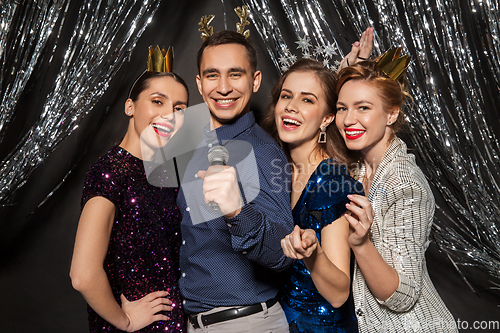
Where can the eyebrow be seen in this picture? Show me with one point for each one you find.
(302, 92)
(180, 103)
(159, 93)
(165, 96)
(357, 103)
(237, 69)
(231, 70)
(210, 70)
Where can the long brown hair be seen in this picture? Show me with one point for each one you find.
(335, 146)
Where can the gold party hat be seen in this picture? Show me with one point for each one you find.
(160, 60)
(392, 63)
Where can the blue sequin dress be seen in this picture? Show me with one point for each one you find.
(322, 201)
(144, 244)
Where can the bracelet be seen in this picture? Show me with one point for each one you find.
(362, 58)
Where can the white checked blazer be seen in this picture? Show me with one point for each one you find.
(404, 207)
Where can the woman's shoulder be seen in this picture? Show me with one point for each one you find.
(332, 181)
(329, 170)
(403, 178)
(402, 168)
(113, 161)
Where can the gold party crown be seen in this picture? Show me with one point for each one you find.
(242, 12)
(392, 63)
(160, 60)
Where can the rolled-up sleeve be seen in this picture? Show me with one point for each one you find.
(405, 238)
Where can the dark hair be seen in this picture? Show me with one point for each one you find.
(393, 94)
(142, 83)
(335, 146)
(228, 37)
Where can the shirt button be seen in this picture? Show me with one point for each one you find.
(184, 302)
(244, 252)
(209, 145)
(359, 312)
(229, 225)
(188, 209)
(183, 242)
(183, 274)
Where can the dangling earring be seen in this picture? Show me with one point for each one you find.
(322, 135)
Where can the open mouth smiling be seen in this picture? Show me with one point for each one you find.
(163, 130)
(353, 134)
(289, 123)
(225, 102)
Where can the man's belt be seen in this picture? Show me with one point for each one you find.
(229, 314)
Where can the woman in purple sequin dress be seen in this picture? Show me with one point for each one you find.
(125, 261)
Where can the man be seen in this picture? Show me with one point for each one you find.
(230, 256)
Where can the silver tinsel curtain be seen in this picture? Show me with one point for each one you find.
(454, 80)
(103, 36)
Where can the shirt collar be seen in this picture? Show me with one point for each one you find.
(232, 130)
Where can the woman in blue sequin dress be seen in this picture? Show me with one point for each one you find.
(317, 294)
(125, 260)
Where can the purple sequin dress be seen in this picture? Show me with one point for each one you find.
(144, 244)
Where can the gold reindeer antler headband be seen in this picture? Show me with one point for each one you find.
(242, 12)
(392, 63)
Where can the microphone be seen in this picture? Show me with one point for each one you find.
(217, 155)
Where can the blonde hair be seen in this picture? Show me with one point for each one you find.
(394, 94)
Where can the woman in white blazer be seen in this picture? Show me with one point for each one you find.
(389, 229)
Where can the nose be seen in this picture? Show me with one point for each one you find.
(349, 118)
(168, 113)
(291, 106)
(224, 86)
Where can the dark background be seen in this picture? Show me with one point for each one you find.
(37, 236)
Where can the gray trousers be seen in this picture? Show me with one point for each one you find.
(270, 320)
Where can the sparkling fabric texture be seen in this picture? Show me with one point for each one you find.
(144, 244)
(321, 202)
(103, 37)
(233, 262)
(453, 79)
(403, 207)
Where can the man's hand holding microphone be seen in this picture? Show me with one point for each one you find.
(220, 183)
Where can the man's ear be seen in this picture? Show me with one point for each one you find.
(198, 83)
(257, 78)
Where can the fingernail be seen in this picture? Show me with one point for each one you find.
(347, 205)
(356, 44)
(350, 196)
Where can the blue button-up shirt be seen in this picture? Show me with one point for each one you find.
(230, 262)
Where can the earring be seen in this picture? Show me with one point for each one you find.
(322, 135)
(129, 113)
(389, 123)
